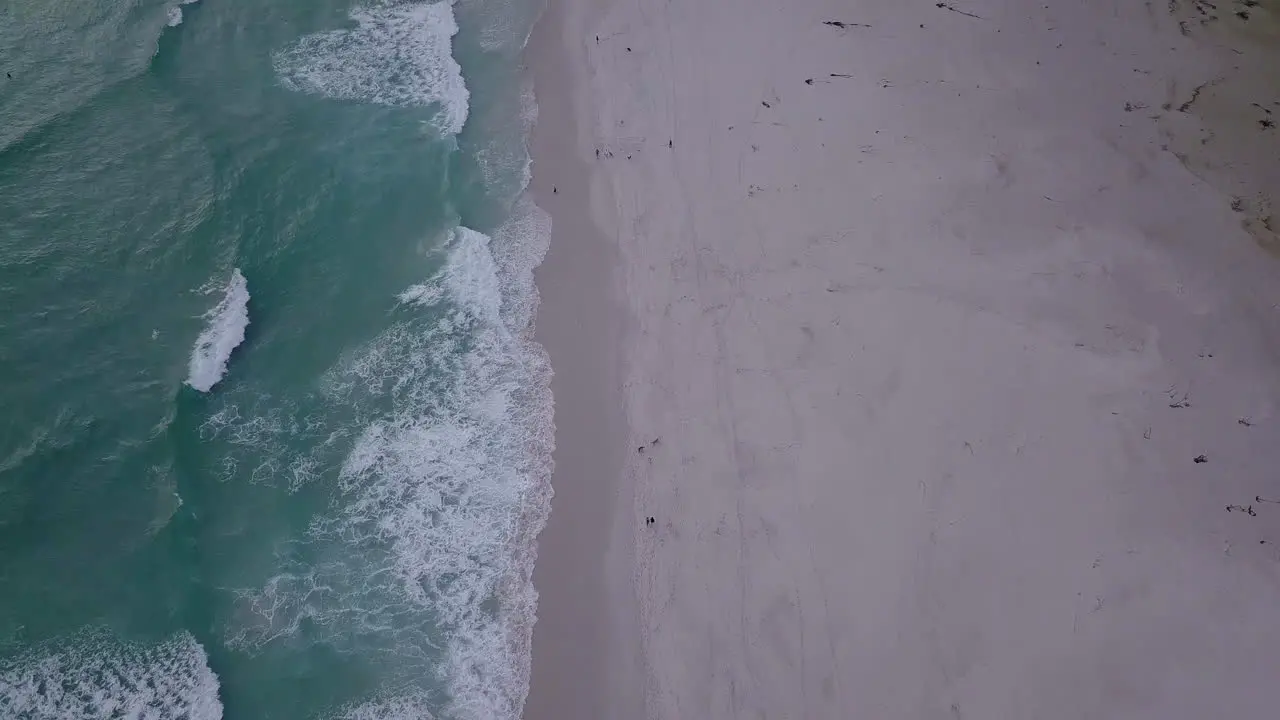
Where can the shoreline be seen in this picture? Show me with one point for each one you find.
(583, 628)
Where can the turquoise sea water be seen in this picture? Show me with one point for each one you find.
(274, 436)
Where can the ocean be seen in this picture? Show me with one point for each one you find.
(276, 437)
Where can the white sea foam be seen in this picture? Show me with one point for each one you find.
(444, 491)
(412, 707)
(471, 277)
(518, 248)
(460, 494)
(223, 332)
(96, 676)
(424, 294)
(260, 430)
(175, 13)
(398, 55)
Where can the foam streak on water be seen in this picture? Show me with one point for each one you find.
(222, 334)
(95, 676)
(396, 55)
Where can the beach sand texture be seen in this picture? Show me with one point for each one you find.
(942, 348)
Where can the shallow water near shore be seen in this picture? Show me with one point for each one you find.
(277, 440)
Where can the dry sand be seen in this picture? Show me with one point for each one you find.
(910, 334)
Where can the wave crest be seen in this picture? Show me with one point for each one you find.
(222, 334)
(400, 55)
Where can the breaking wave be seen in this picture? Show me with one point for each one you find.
(398, 55)
(175, 12)
(97, 676)
(221, 336)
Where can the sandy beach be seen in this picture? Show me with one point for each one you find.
(913, 359)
